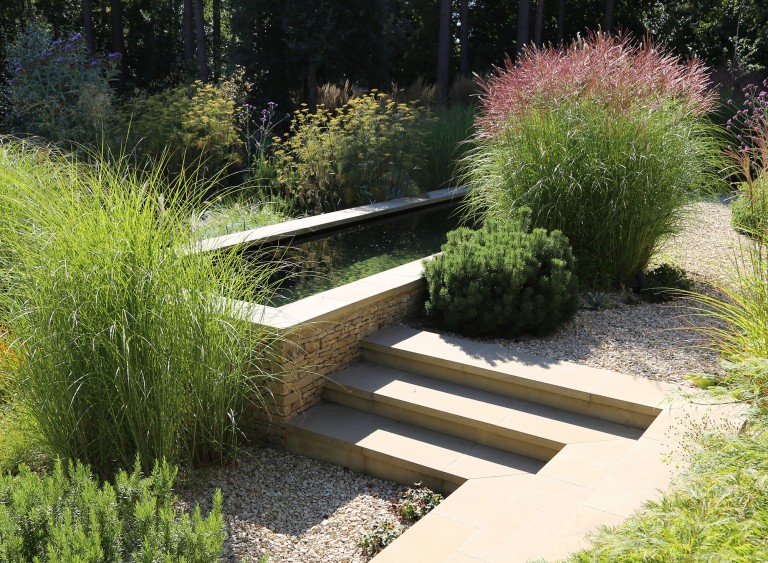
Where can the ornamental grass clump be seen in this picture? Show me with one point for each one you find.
(123, 345)
(502, 280)
(605, 141)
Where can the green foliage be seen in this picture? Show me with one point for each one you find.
(238, 214)
(57, 91)
(122, 345)
(416, 502)
(614, 182)
(718, 511)
(749, 213)
(740, 315)
(369, 150)
(449, 131)
(502, 280)
(663, 283)
(382, 534)
(189, 127)
(66, 516)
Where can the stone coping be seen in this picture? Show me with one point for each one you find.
(338, 301)
(325, 221)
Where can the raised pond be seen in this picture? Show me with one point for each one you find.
(317, 262)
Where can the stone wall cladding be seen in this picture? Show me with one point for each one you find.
(314, 350)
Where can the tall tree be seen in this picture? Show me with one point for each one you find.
(464, 37)
(88, 25)
(608, 20)
(523, 25)
(202, 64)
(443, 51)
(560, 21)
(216, 8)
(188, 33)
(538, 29)
(118, 41)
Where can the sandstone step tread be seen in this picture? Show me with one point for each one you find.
(473, 407)
(375, 436)
(502, 362)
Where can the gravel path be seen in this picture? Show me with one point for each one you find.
(299, 510)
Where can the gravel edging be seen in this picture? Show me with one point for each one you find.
(297, 509)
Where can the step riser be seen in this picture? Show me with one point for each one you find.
(553, 397)
(363, 460)
(504, 439)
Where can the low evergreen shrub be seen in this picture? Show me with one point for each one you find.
(502, 280)
(663, 283)
(66, 516)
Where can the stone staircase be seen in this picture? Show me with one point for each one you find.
(536, 453)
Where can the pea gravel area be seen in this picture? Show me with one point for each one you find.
(300, 510)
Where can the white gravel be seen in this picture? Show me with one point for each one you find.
(299, 510)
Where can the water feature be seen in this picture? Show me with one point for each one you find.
(318, 262)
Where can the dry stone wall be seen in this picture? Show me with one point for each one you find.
(317, 348)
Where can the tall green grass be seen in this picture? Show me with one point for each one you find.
(123, 347)
(615, 183)
(449, 137)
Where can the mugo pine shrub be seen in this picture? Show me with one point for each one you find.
(604, 141)
(502, 280)
(67, 517)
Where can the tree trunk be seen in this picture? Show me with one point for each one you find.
(88, 26)
(608, 22)
(202, 67)
(539, 27)
(312, 86)
(189, 46)
(216, 38)
(443, 52)
(523, 25)
(118, 40)
(560, 21)
(464, 38)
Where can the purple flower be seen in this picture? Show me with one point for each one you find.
(59, 60)
(12, 80)
(94, 63)
(45, 54)
(17, 70)
(56, 43)
(77, 36)
(67, 47)
(113, 55)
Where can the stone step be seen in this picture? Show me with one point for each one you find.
(499, 421)
(385, 448)
(597, 393)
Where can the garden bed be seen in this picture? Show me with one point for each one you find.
(315, 511)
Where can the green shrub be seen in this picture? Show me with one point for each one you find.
(663, 283)
(382, 534)
(122, 345)
(369, 150)
(67, 517)
(416, 502)
(749, 213)
(502, 280)
(189, 127)
(58, 91)
(603, 141)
